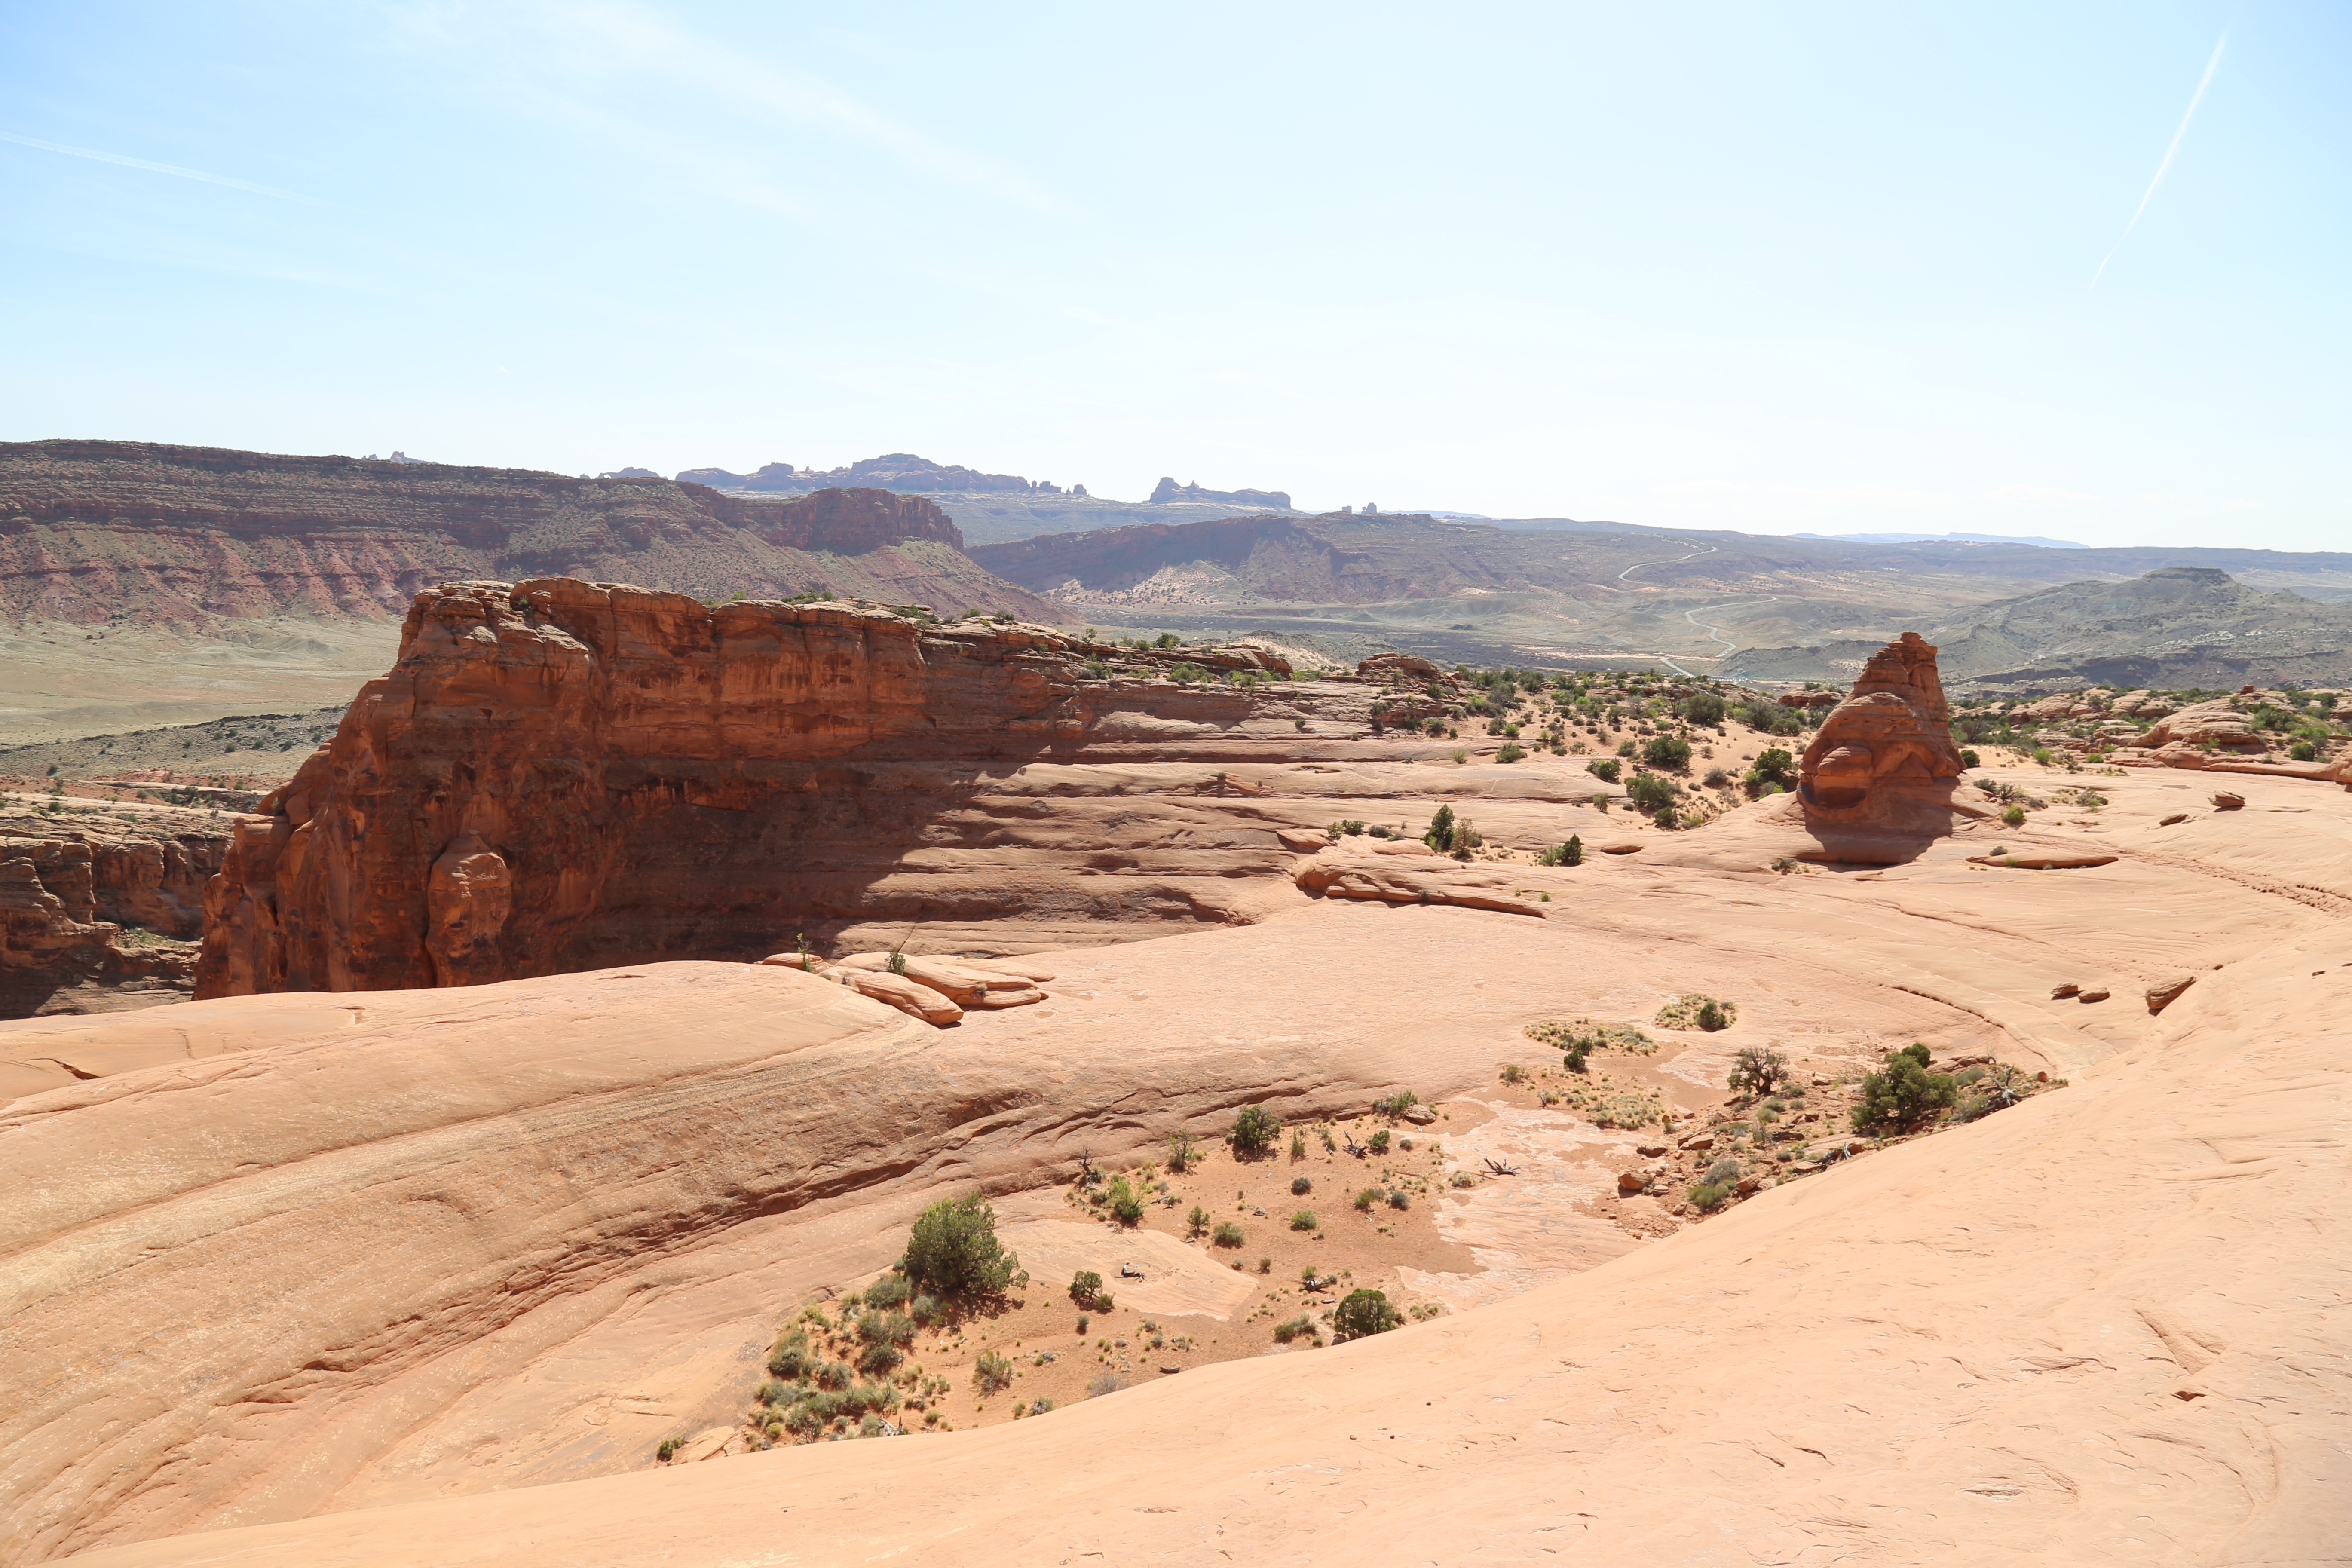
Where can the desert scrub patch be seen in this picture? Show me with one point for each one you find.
(1365, 1200)
(1300, 1187)
(1692, 1011)
(1303, 1220)
(953, 1251)
(1298, 1328)
(991, 1372)
(1581, 1039)
(1227, 1234)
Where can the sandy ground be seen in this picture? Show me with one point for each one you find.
(59, 680)
(2092, 1329)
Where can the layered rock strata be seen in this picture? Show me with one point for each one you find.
(95, 917)
(1884, 758)
(559, 775)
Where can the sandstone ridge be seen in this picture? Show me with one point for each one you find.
(110, 532)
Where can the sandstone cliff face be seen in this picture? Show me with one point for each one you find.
(561, 775)
(111, 530)
(1884, 758)
(67, 899)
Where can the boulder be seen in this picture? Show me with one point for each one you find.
(1696, 1143)
(2097, 993)
(2166, 992)
(2228, 800)
(893, 990)
(1884, 758)
(1027, 969)
(960, 983)
(2058, 993)
(1630, 1182)
(1008, 998)
(1651, 1151)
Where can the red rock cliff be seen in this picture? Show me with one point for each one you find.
(561, 775)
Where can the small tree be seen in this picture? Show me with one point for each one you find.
(1903, 1095)
(1757, 1070)
(1126, 1203)
(1667, 752)
(1197, 1222)
(1440, 835)
(953, 1251)
(1364, 1313)
(1704, 708)
(1182, 1146)
(1087, 1291)
(1254, 1130)
(1572, 852)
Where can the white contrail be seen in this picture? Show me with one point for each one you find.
(2161, 169)
(153, 168)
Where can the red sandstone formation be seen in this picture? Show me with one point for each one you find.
(68, 896)
(1884, 758)
(561, 775)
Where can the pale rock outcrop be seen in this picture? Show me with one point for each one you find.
(468, 895)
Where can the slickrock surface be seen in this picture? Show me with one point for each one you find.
(415, 1265)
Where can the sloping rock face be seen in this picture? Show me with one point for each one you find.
(106, 532)
(1884, 758)
(559, 775)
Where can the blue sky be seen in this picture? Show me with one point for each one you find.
(1798, 266)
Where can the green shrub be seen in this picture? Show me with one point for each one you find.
(1396, 1104)
(1107, 1383)
(1513, 1073)
(886, 1328)
(1298, 1328)
(1181, 1147)
(1303, 1220)
(777, 1393)
(1440, 835)
(1087, 1291)
(1692, 1011)
(1773, 766)
(1398, 1199)
(1348, 827)
(2014, 817)
(891, 1291)
(1126, 1206)
(1968, 759)
(879, 1359)
(1903, 1095)
(1364, 1313)
(1758, 1070)
(1297, 1144)
(1366, 1199)
(1198, 1220)
(1227, 1234)
(792, 1357)
(1670, 752)
(991, 1373)
(1706, 1197)
(1651, 792)
(953, 1251)
(1379, 1142)
(1723, 1173)
(2302, 751)
(1604, 769)
(668, 1446)
(1300, 1187)
(836, 1374)
(1254, 1130)
(1702, 707)
(1511, 751)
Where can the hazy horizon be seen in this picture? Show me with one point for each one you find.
(1826, 269)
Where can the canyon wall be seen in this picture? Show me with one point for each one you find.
(559, 775)
(115, 531)
(71, 900)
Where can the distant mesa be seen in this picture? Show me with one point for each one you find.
(2034, 540)
(901, 471)
(628, 474)
(397, 456)
(1168, 490)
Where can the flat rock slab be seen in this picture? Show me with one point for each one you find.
(1178, 1280)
